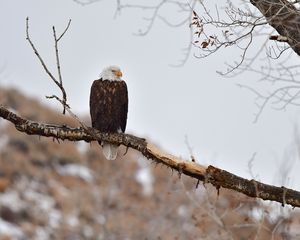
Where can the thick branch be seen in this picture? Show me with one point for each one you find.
(217, 177)
(284, 17)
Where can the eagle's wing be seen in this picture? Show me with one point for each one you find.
(109, 105)
(123, 105)
(108, 109)
(96, 101)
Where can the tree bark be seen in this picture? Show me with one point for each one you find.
(217, 177)
(284, 17)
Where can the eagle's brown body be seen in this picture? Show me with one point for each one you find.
(109, 105)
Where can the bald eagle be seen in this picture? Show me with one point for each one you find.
(109, 106)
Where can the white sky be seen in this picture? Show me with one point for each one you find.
(166, 103)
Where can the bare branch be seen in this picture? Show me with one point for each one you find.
(59, 82)
(86, 2)
(217, 177)
(60, 85)
(66, 29)
(154, 13)
(36, 52)
(213, 33)
(73, 115)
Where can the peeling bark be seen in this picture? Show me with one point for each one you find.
(217, 177)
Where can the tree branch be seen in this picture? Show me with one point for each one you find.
(59, 82)
(217, 177)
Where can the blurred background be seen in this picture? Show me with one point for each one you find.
(66, 190)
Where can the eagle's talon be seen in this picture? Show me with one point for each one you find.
(126, 150)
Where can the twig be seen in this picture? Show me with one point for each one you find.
(73, 115)
(88, 2)
(36, 52)
(66, 29)
(59, 82)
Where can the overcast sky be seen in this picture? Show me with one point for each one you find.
(167, 104)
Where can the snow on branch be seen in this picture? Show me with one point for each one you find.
(215, 176)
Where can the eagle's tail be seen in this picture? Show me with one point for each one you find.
(110, 151)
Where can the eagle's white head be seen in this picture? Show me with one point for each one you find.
(111, 73)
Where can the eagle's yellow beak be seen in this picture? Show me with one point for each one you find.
(118, 73)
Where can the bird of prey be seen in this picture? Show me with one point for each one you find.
(109, 106)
